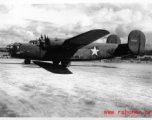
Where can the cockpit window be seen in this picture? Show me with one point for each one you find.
(41, 42)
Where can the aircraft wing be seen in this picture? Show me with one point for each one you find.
(84, 39)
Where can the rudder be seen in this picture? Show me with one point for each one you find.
(114, 39)
(136, 42)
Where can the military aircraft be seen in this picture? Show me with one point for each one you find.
(79, 48)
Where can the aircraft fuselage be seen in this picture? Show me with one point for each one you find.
(92, 51)
(79, 48)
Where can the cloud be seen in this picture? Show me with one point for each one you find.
(121, 30)
(22, 22)
(5, 8)
(13, 34)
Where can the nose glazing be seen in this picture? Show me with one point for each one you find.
(13, 48)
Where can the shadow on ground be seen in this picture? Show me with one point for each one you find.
(53, 68)
(95, 66)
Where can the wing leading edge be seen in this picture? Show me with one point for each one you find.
(84, 39)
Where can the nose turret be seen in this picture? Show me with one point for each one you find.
(13, 48)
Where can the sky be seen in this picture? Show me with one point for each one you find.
(24, 22)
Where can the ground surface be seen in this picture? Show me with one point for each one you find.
(83, 90)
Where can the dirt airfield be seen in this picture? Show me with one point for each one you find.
(85, 89)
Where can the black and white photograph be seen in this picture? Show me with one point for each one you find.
(76, 59)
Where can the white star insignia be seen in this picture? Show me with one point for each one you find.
(94, 51)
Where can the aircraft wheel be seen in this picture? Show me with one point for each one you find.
(27, 61)
(65, 63)
(56, 62)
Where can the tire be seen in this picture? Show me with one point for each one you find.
(56, 62)
(27, 61)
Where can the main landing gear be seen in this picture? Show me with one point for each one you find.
(64, 63)
(27, 61)
(56, 62)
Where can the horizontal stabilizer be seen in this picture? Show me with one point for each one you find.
(84, 39)
(121, 50)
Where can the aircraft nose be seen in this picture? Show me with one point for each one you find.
(13, 48)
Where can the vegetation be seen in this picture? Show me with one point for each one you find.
(148, 52)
